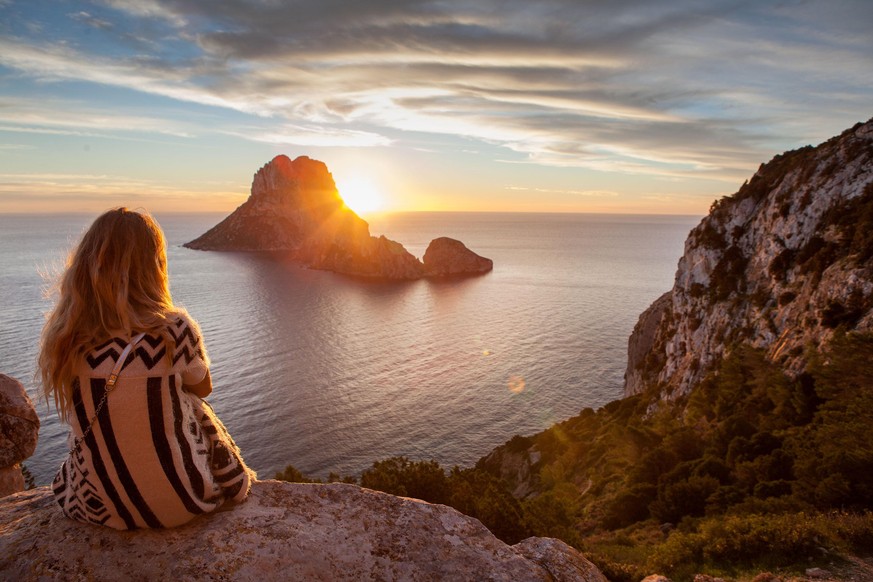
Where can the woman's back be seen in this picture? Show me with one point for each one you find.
(148, 460)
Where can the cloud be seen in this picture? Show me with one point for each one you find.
(96, 192)
(670, 89)
(71, 117)
(314, 136)
(92, 21)
(586, 193)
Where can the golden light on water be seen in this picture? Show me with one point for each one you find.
(360, 194)
(516, 384)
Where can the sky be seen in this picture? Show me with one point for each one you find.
(625, 106)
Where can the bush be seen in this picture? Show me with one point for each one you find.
(424, 480)
(480, 495)
(739, 542)
(291, 474)
(683, 498)
(629, 506)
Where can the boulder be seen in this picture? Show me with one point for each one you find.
(19, 430)
(446, 257)
(284, 531)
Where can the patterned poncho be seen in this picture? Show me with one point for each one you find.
(157, 456)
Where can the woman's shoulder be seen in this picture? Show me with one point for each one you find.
(187, 335)
(181, 322)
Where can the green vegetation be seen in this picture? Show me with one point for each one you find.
(753, 471)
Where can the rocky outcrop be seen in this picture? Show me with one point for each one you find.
(19, 430)
(295, 208)
(446, 257)
(779, 265)
(515, 465)
(285, 531)
(641, 342)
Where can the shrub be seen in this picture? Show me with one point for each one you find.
(629, 506)
(735, 542)
(291, 474)
(480, 495)
(399, 476)
(683, 498)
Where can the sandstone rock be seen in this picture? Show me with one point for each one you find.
(778, 265)
(295, 209)
(655, 578)
(19, 430)
(11, 480)
(446, 257)
(285, 531)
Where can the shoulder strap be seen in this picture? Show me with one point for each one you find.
(110, 384)
(119, 363)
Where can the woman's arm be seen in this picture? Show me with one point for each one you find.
(203, 388)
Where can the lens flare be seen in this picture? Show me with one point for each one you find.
(516, 384)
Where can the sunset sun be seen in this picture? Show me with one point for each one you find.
(360, 194)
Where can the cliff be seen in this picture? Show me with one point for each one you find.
(295, 208)
(779, 265)
(284, 531)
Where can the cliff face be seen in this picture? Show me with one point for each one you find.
(779, 265)
(284, 531)
(295, 208)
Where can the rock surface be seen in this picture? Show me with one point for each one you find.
(641, 342)
(779, 265)
(285, 531)
(19, 430)
(295, 208)
(446, 257)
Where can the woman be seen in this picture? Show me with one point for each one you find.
(145, 451)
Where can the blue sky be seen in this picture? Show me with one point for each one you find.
(560, 105)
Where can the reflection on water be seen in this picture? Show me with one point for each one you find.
(331, 373)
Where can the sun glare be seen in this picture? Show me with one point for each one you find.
(360, 194)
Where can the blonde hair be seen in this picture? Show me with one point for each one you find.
(115, 282)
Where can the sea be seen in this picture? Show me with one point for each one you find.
(330, 373)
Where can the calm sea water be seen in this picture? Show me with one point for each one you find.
(330, 373)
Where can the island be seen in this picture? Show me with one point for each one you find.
(296, 210)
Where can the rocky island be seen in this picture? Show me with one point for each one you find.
(295, 210)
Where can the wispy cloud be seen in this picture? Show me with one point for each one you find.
(587, 193)
(90, 20)
(667, 89)
(95, 192)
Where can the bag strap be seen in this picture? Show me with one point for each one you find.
(110, 385)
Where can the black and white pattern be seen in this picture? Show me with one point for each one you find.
(157, 455)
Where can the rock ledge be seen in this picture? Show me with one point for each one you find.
(285, 531)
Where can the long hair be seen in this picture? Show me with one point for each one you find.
(115, 283)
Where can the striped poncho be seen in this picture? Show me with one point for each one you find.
(156, 456)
